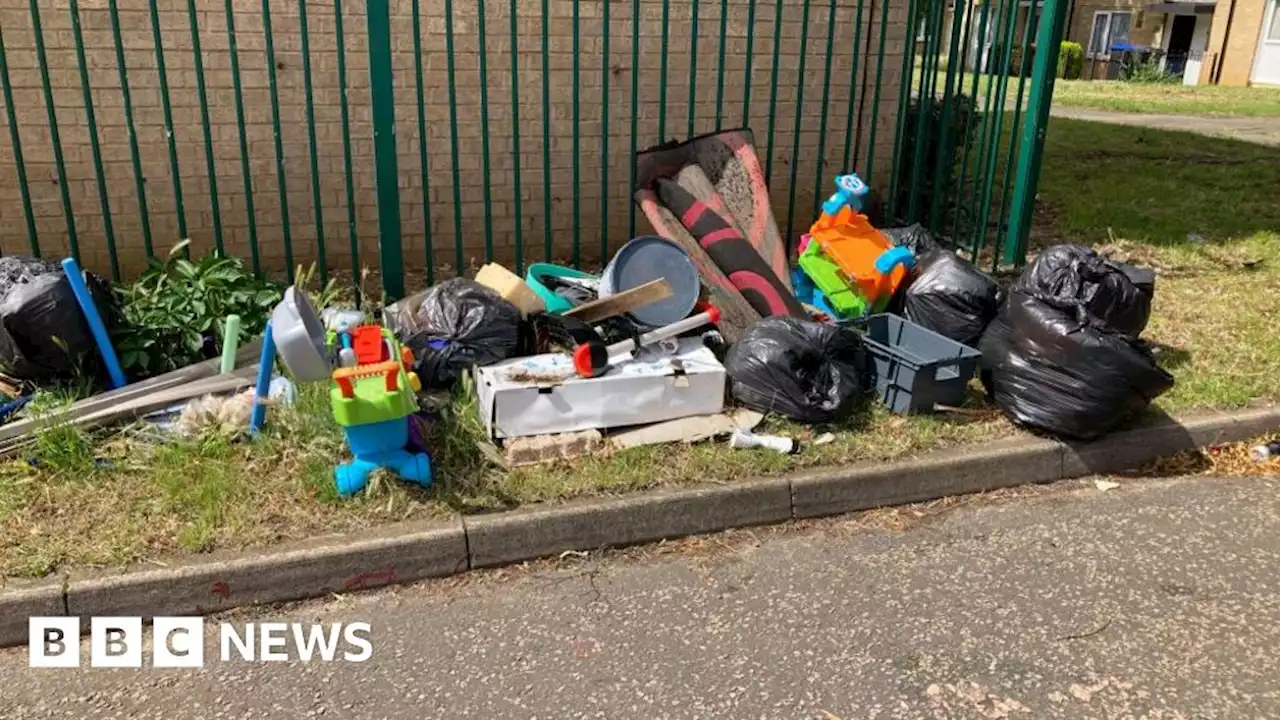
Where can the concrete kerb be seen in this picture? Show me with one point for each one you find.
(409, 552)
(1016, 461)
(18, 602)
(510, 537)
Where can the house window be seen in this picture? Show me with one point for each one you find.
(1273, 31)
(1109, 29)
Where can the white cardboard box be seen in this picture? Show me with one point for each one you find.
(542, 394)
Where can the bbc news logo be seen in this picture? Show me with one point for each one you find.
(179, 642)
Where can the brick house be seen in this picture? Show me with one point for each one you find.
(1227, 42)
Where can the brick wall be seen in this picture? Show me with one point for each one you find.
(1144, 28)
(175, 30)
(1234, 52)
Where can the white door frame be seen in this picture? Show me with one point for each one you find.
(1266, 46)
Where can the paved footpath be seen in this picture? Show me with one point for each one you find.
(1157, 599)
(1263, 130)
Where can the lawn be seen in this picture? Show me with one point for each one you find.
(1133, 97)
(1171, 99)
(109, 501)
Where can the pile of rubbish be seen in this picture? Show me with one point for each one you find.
(693, 333)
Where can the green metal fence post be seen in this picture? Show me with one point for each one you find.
(245, 173)
(826, 95)
(724, 32)
(139, 180)
(458, 259)
(577, 137)
(875, 95)
(546, 133)
(1031, 152)
(281, 185)
(693, 65)
(923, 128)
(384, 149)
(170, 135)
(849, 161)
(484, 130)
(94, 147)
(795, 135)
(51, 110)
(346, 143)
(517, 192)
(773, 89)
(748, 62)
(204, 121)
(1002, 224)
(605, 71)
(16, 139)
(943, 163)
(428, 247)
(635, 114)
(316, 203)
(662, 71)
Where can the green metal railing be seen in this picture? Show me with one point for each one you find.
(942, 84)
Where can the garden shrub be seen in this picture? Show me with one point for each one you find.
(1070, 61)
(174, 312)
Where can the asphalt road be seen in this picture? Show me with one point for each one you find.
(1156, 599)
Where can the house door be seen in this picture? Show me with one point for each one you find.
(1180, 33)
(1266, 65)
(1195, 56)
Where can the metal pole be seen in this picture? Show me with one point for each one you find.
(384, 149)
(1031, 152)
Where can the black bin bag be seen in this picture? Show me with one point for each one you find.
(43, 334)
(1048, 371)
(914, 237)
(454, 326)
(951, 297)
(1102, 293)
(807, 371)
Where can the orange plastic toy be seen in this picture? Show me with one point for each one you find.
(872, 264)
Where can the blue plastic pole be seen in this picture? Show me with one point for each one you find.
(91, 316)
(266, 362)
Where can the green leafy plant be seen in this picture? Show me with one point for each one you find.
(174, 313)
(1148, 72)
(1070, 60)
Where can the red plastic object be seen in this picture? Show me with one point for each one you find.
(344, 384)
(368, 345)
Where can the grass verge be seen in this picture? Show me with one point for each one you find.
(125, 498)
(1170, 99)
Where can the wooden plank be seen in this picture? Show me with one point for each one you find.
(190, 373)
(141, 406)
(689, 429)
(623, 302)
